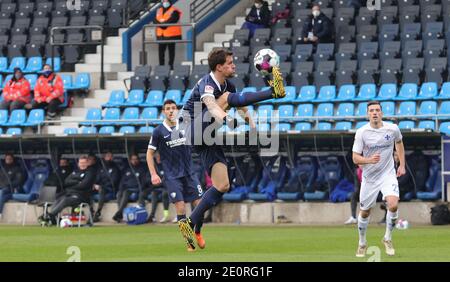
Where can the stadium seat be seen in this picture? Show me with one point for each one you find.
(34, 64)
(174, 95)
(302, 126)
(366, 92)
(307, 94)
(444, 111)
(428, 109)
(428, 91)
(146, 130)
(106, 130)
(111, 117)
(149, 115)
(17, 118)
(32, 78)
(273, 176)
(127, 130)
(56, 61)
(408, 91)
(186, 96)
(427, 124)
(130, 116)
(444, 94)
(265, 112)
(3, 117)
(116, 99)
(345, 110)
(326, 93)
(14, 131)
(82, 82)
(304, 111)
(325, 110)
(16, 62)
(89, 130)
(388, 108)
(387, 91)
(406, 124)
(36, 176)
(361, 110)
(154, 99)
(360, 124)
(263, 127)
(290, 96)
(3, 64)
(324, 126)
(282, 127)
(135, 98)
(93, 116)
(433, 184)
(70, 131)
(35, 118)
(343, 125)
(286, 112)
(67, 81)
(346, 93)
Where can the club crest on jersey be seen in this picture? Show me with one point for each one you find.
(387, 137)
(173, 195)
(209, 89)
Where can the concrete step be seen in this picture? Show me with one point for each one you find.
(58, 129)
(108, 58)
(115, 85)
(208, 46)
(221, 37)
(114, 41)
(124, 74)
(110, 50)
(96, 67)
(93, 103)
(231, 28)
(199, 56)
(240, 21)
(75, 112)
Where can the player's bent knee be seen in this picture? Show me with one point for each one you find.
(223, 187)
(364, 213)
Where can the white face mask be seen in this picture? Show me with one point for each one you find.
(316, 13)
(258, 6)
(166, 4)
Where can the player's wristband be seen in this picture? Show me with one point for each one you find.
(231, 122)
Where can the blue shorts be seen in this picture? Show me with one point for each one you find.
(184, 189)
(210, 155)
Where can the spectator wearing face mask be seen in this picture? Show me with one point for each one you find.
(259, 17)
(318, 28)
(16, 93)
(48, 92)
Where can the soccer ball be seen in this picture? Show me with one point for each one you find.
(402, 224)
(65, 222)
(265, 60)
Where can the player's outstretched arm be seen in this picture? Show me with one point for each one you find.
(400, 148)
(156, 180)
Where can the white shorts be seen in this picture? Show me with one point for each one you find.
(369, 191)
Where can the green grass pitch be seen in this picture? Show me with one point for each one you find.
(224, 243)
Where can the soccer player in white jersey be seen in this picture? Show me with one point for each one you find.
(373, 151)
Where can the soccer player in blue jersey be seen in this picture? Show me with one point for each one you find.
(210, 98)
(181, 182)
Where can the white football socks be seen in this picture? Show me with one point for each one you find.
(391, 218)
(362, 228)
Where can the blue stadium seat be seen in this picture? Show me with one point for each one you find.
(304, 111)
(343, 125)
(283, 127)
(406, 124)
(243, 128)
(445, 128)
(155, 98)
(345, 110)
(360, 124)
(408, 91)
(433, 184)
(116, 99)
(106, 130)
(1, 130)
(388, 91)
(427, 124)
(366, 92)
(17, 118)
(444, 94)
(37, 176)
(324, 126)
(407, 108)
(272, 179)
(302, 126)
(286, 112)
(14, 131)
(35, 118)
(67, 80)
(146, 130)
(127, 130)
(89, 130)
(110, 115)
(263, 127)
(16, 62)
(135, 98)
(248, 89)
(361, 110)
(149, 114)
(130, 116)
(1, 88)
(429, 90)
(347, 92)
(428, 109)
(34, 64)
(174, 95)
(444, 111)
(186, 96)
(93, 116)
(70, 131)
(82, 81)
(290, 96)
(265, 112)
(57, 61)
(326, 94)
(3, 117)
(307, 94)
(3, 64)
(325, 110)
(32, 78)
(388, 108)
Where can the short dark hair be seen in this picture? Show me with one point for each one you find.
(83, 157)
(370, 103)
(167, 102)
(218, 57)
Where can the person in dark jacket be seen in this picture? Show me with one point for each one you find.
(318, 28)
(77, 190)
(133, 181)
(107, 182)
(12, 178)
(259, 17)
(58, 176)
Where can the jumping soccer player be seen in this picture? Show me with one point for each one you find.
(373, 151)
(209, 100)
(181, 183)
